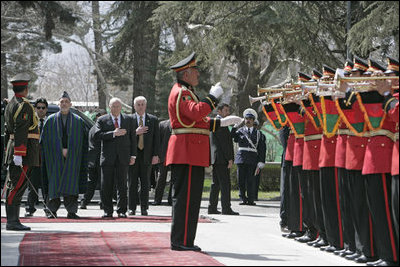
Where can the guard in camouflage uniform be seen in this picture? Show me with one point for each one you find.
(22, 153)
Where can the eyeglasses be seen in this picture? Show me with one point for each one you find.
(41, 107)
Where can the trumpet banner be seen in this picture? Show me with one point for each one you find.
(352, 116)
(272, 117)
(294, 118)
(330, 115)
(374, 114)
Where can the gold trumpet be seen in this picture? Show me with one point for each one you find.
(270, 90)
(363, 84)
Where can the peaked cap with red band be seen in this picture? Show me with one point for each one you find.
(189, 62)
(21, 79)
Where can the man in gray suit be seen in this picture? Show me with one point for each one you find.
(148, 146)
(222, 159)
(118, 151)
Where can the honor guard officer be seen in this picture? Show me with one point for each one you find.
(250, 157)
(189, 149)
(22, 137)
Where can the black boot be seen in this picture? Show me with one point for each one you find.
(13, 222)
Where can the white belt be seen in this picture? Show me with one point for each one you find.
(248, 149)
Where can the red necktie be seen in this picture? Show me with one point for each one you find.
(116, 123)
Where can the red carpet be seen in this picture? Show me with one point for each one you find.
(156, 219)
(132, 249)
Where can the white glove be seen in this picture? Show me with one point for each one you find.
(18, 160)
(229, 120)
(216, 90)
(260, 165)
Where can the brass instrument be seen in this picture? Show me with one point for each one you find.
(252, 100)
(363, 84)
(269, 90)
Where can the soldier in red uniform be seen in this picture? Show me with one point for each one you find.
(189, 149)
(312, 145)
(376, 169)
(352, 161)
(391, 107)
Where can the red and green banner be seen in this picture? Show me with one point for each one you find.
(353, 117)
(272, 117)
(330, 116)
(295, 120)
(374, 114)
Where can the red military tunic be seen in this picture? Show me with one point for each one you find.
(393, 114)
(185, 110)
(290, 148)
(312, 140)
(296, 122)
(379, 149)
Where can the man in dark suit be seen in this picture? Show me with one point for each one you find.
(148, 145)
(250, 158)
(222, 159)
(118, 151)
(36, 174)
(165, 133)
(93, 164)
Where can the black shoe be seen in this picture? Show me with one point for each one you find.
(156, 203)
(17, 226)
(230, 212)
(311, 243)
(132, 212)
(243, 203)
(374, 263)
(353, 256)
(122, 215)
(144, 212)
(83, 205)
(295, 234)
(214, 212)
(71, 215)
(329, 249)
(251, 203)
(185, 248)
(107, 215)
(51, 216)
(365, 259)
(321, 243)
(304, 239)
(340, 251)
(387, 263)
(347, 252)
(29, 214)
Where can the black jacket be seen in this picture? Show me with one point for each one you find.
(221, 141)
(165, 134)
(121, 147)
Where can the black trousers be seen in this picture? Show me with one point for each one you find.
(111, 174)
(379, 203)
(94, 175)
(33, 196)
(139, 173)
(17, 183)
(395, 206)
(70, 203)
(307, 193)
(246, 180)
(221, 180)
(361, 216)
(346, 210)
(285, 191)
(320, 222)
(161, 182)
(188, 184)
(295, 215)
(330, 206)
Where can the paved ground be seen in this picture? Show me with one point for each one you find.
(253, 238)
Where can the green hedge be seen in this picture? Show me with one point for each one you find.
(269, 180)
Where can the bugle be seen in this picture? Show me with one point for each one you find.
(252, 100)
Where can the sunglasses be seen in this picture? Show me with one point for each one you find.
(41, 107)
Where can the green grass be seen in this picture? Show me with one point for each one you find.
(235, 193)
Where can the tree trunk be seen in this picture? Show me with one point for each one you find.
(4, 81)
(99, 50)
(145, 47)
